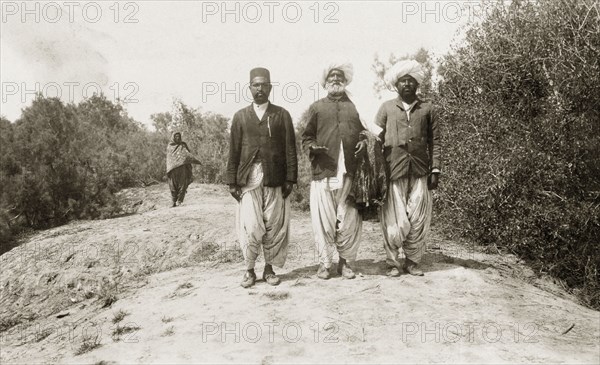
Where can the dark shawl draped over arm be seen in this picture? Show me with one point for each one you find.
(370, 180)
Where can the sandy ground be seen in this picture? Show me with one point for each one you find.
(162, 286)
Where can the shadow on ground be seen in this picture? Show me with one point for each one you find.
(431, 262)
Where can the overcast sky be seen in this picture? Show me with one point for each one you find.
(149, 52)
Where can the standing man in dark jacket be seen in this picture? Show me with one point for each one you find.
(411, 139)
(261, 172)
(334, 139)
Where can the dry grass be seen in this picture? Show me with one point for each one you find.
(186, 285)
(44, 334)
(121, 330)
(277, 295)
(166, 319)
(168, 332)
(89, 343)
(9, 322)
(119, 316)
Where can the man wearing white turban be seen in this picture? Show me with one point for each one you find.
(411, 140)
(334, 139)
(345, 67)
(411, 68)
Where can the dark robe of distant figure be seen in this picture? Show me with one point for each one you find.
(179, 168)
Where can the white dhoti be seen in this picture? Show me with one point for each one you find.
(263, 220)
(405, 218)
(336, 223)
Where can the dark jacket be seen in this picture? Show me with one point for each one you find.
(331, 121)
(411, 148)
(271, 141)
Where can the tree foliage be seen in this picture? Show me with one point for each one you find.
(64, 161)
(422, 56)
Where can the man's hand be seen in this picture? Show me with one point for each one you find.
(235, 192)
(432, 181)
(361, 147)
(317, 150)
(286, 189)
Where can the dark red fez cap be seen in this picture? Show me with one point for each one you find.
(260, 72)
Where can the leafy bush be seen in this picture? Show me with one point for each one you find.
(519, 100)
(59, 162)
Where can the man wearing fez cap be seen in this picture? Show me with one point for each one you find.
(411, 140)
(334, 140)
(261, 171)
(260, 72)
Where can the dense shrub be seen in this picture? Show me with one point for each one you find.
(59, 162)
(519, 100)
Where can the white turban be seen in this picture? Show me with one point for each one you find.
(345, 67)
(402, 68)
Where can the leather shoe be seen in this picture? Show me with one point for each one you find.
(249, 279)
(270, 277)
(345, 270)
(412, 268)
(323, 272)
(394, 272)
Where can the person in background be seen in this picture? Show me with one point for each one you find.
(179, 168)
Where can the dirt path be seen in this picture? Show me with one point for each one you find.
(174, 275)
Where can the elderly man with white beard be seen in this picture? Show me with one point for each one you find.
(334, 138)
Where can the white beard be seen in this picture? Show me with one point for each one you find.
(335, 89)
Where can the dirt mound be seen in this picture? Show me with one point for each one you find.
(161, 285)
